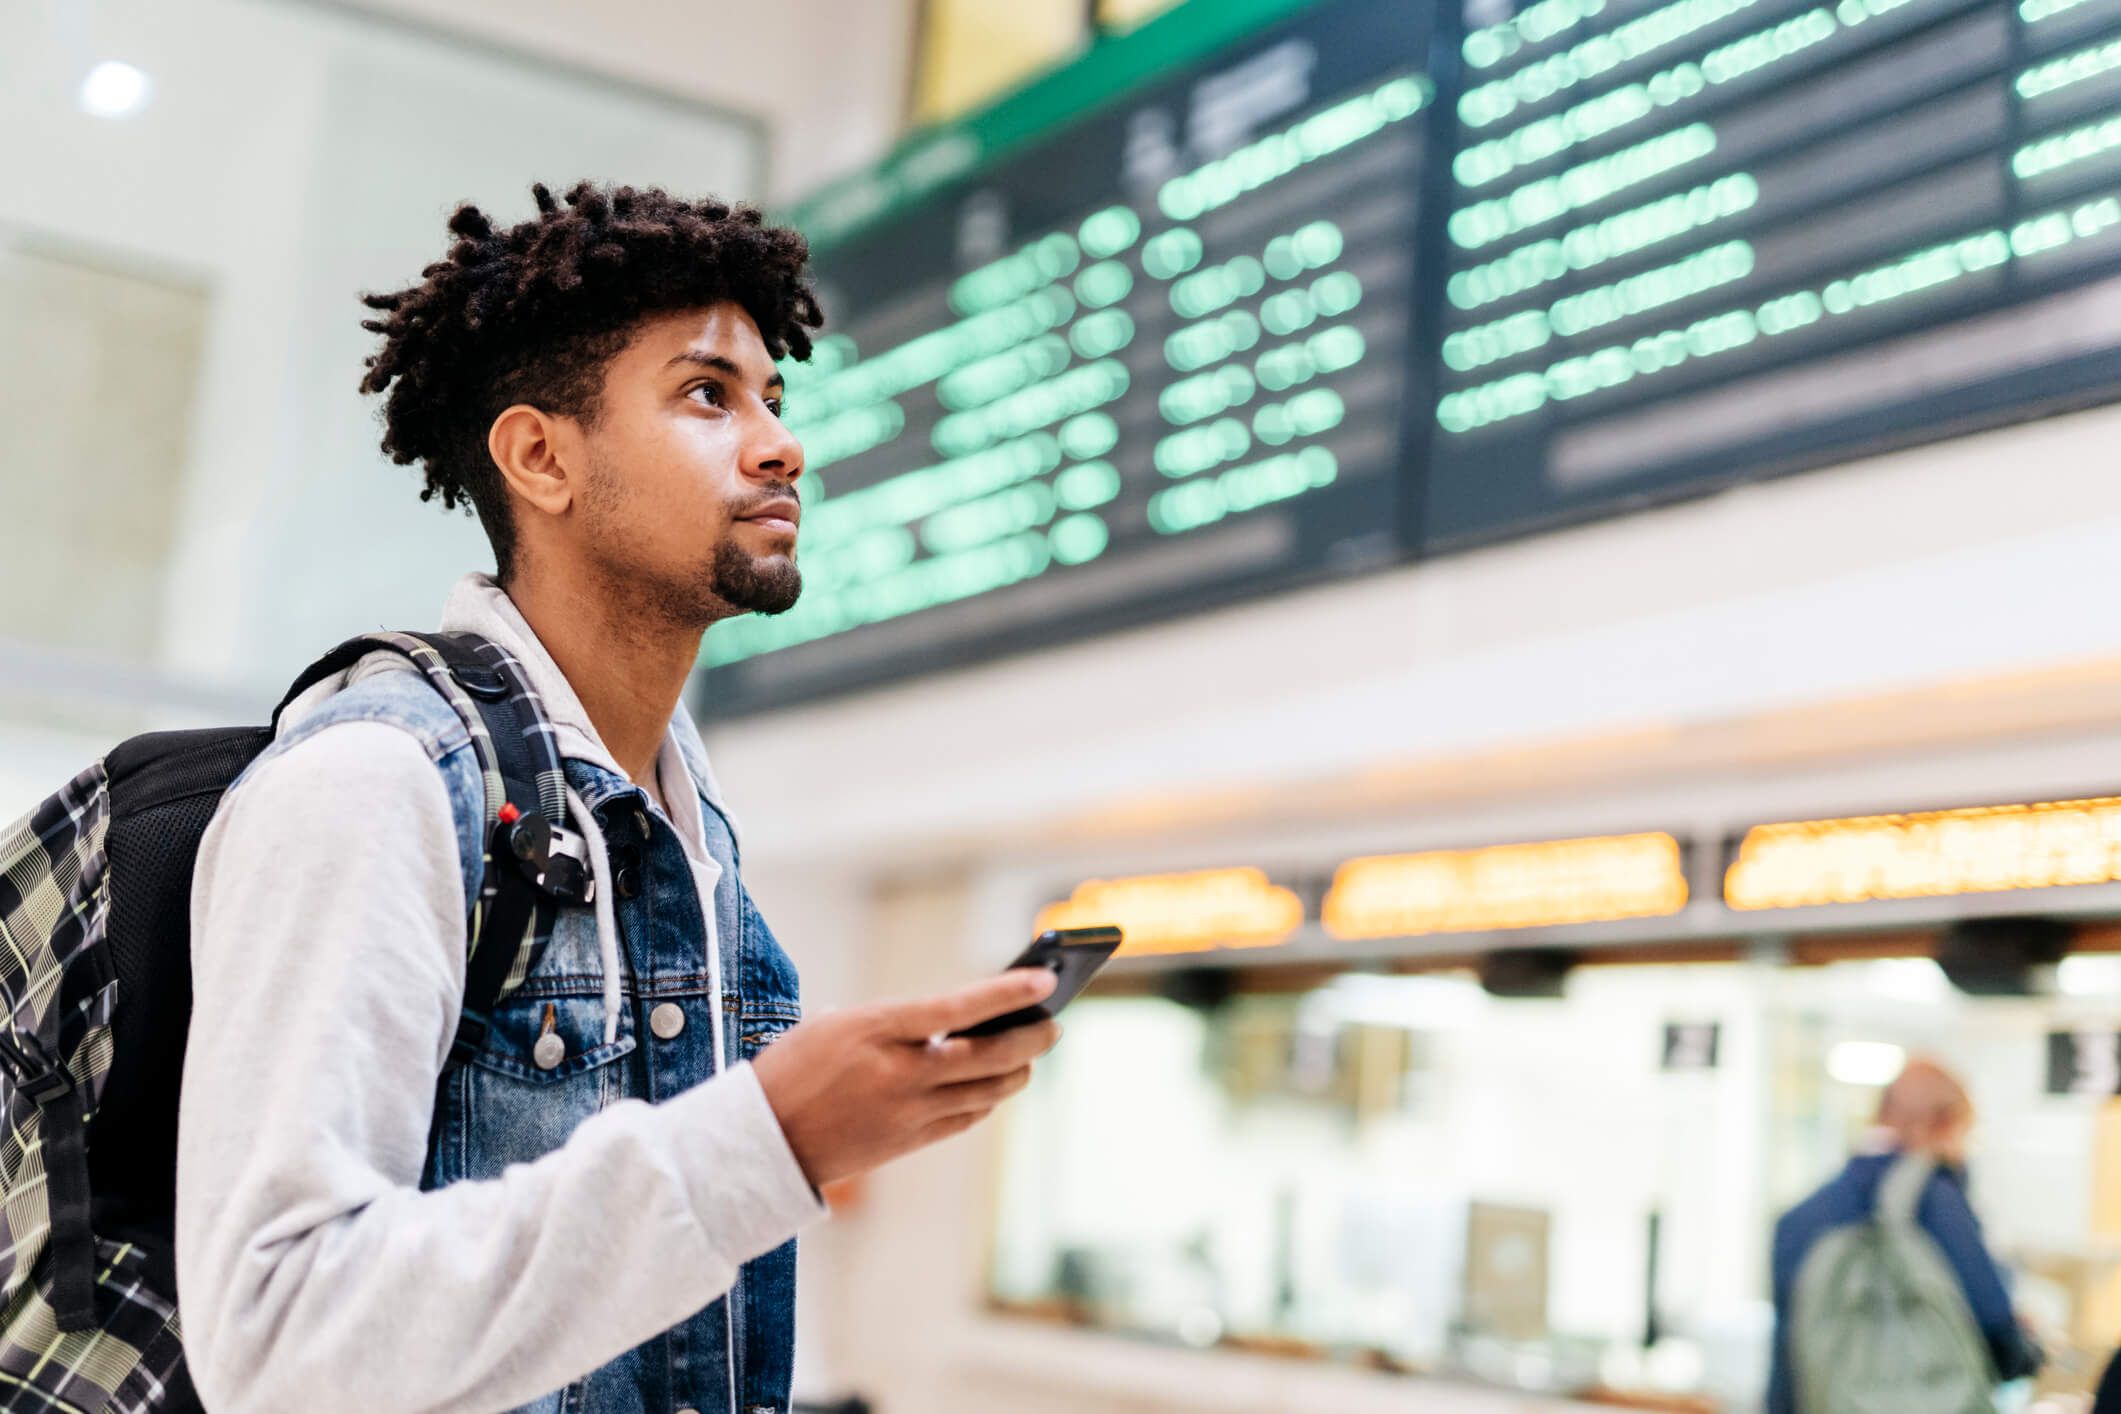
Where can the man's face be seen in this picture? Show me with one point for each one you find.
(691, 502)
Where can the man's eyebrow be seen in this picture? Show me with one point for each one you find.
(720, 364)
(706, 360)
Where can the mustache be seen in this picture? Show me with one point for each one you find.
(773, 491)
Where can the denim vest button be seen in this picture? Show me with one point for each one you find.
(627, 879)
(549, 1051)
(667, 1020)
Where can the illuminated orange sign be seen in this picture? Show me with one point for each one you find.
(1931, 854)
(1507, 886)
(1191, 912)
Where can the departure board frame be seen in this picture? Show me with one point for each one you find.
(1252, 431)
(1702, 242)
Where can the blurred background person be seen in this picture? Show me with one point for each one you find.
(1924, 1119)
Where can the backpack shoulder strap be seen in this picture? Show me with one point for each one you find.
(531, 858)
(53, 872)
(1900, 1191)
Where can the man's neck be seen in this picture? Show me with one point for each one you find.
(628, 670)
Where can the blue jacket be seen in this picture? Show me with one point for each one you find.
(1852, 1197)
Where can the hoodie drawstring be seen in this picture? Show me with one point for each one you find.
(607, 917)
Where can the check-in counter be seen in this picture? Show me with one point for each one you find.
(1506, 1126)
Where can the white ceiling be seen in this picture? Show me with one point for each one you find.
(827, 76)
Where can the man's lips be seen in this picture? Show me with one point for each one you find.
(782, 516)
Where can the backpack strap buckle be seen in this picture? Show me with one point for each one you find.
(44, 1078)
(552, 857)
(472, 1027)
(526, 791)
(33, 1069)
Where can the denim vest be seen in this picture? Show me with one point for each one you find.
(735, 1356)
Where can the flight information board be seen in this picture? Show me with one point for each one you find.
(1699, 240)
(1382, 278)
(1158, 359)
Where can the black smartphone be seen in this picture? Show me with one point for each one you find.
(1073, 955)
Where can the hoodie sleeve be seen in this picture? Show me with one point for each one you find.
(313, 1272)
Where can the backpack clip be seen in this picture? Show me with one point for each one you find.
(552, 857)
(470, 1037)
(32, 1068)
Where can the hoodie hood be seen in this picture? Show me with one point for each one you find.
(479, 605)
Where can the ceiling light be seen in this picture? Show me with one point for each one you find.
(1865, 1062)
(1907, 979)
(115, 90)
(1411, 1003)
(2088, 975)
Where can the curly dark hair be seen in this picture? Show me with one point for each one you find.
(531, 313)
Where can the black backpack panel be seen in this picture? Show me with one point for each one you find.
(164, 788)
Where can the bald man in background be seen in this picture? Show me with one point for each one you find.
(1925, 1112)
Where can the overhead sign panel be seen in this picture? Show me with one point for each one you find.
(2086, 1062)
(1186, 912)
(1507, 886)
(1927, 854)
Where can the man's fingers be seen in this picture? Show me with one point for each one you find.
(952, 1124)
(969, 1006)
(980, 1096)
(965, 1058)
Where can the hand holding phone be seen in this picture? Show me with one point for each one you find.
(1073, 956)
(856, 1088)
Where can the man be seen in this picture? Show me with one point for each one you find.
(595, 1214)
(1924, 1113)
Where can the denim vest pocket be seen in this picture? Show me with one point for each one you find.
(521, 1025)
(504, 1108)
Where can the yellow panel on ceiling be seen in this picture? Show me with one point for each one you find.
(974, 50)
(1119, 16)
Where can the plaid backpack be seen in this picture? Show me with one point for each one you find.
(95, 997)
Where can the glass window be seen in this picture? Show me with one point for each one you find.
(1561, 1195)
(96, 388)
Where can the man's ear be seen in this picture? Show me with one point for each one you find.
(535, 452)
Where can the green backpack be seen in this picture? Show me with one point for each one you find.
(1878, 1321)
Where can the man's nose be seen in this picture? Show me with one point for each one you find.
(774, 453)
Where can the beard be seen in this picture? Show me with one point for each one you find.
(753, 584)
(729, 581)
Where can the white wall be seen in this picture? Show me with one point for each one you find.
(828, 77)
(292, 157)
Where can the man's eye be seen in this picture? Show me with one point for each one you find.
(775, 406)
(709, 393)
